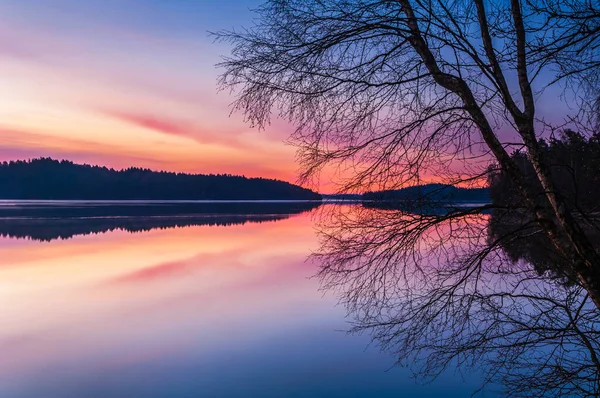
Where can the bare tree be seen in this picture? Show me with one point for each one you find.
(392, 90)
(391, 93)
(571, 45)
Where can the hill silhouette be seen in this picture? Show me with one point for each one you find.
(50, 179)
(430, 193)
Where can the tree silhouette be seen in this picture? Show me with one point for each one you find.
(390, 91)
(389, 94)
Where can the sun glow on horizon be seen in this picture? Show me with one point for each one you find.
(127, 85)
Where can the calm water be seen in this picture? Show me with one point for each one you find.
(217, 305)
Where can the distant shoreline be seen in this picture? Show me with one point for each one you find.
(52, 180)
(157, 201)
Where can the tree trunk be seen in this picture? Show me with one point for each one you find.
(576, 246)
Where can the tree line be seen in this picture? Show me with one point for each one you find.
(50, 179)
(575, 163)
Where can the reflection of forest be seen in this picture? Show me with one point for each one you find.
(522, 239)
(427, 208)
(49, 221)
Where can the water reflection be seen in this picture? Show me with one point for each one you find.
(462, 289)
(222, 305)
(49, 220)
(202, 310)
(559, 345)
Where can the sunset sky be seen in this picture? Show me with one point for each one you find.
(133, 83)
(128, 83)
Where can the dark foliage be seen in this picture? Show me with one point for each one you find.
(575, 164)
(344, 196)
(439, 193)
(524, 242)
(46, 178)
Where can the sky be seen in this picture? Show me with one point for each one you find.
(128, 83)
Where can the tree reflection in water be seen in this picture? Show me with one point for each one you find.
(441, 289)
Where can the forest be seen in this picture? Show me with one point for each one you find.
(575, 163)
(50, 179)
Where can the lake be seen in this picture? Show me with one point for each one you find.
(218, 304)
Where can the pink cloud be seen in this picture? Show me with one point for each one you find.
(156, 123)
(181, 128)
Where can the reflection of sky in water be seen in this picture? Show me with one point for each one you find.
(184, 312)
